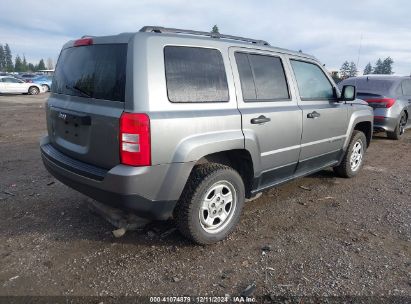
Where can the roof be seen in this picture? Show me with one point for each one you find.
(216, 37)
(381, 77)
(228, 40)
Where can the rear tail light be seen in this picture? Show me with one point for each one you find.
(379, 117)
(381, 102)
(29, 80)
(135, 146)
(83, 41)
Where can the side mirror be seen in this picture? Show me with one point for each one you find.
(348, 93)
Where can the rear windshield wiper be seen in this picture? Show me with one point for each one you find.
(76, 88)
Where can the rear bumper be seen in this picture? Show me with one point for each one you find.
(150, 192)
(385, 124)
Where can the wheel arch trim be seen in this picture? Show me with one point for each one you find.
(357, 117)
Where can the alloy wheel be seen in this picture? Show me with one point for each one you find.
(403, 123)
(356, 155)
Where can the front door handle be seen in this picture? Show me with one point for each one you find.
(260, 119)
(313, 115)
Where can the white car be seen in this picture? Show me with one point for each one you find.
(9, 84)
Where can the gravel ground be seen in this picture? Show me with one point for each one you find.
(316, 236)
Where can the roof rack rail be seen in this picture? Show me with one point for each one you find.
(160, 29)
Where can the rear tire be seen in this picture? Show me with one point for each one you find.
(211, 203)
(34, 91)
(400, 128)
(353, 157)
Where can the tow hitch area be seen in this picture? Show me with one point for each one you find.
(120, 219)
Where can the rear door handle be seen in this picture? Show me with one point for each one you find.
(260, 119)
(313, 115)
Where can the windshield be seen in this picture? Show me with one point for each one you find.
(95, 71)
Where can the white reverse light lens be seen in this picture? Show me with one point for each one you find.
(134, 138)
(131, 147)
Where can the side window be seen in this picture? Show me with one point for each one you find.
(262, 77)
(311, 80)
(246, 76)
(406, 87)
(195, 75)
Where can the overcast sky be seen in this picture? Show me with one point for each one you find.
(329, 30)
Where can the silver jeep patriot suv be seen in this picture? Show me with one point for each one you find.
(183, 124)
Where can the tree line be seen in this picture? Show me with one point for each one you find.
(349, 69)
(20, 64)
(381, 67)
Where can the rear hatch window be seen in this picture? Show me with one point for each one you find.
(376, 87)
(94, 71)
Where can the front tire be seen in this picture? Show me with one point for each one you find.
(399, 129)
(45, 87)
(353, 157)
(211, 203)
(34, 91)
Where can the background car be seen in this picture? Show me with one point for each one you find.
(12, 85)
(26, 77)
(44, 81)
(390, 97)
